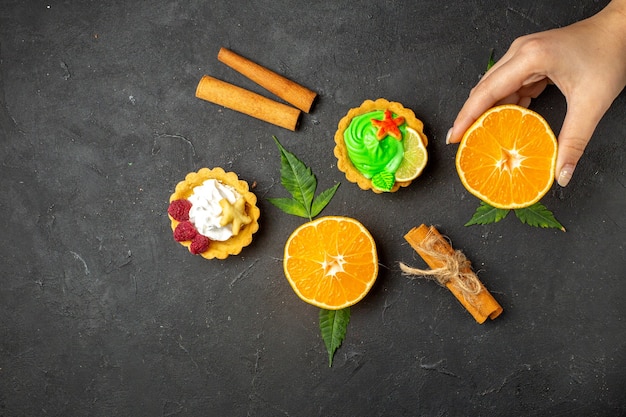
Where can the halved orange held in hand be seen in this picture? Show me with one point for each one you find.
(507, 158)
(331, 262)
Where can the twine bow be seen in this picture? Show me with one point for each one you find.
(455, 269)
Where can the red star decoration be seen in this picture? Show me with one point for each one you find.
(388, 126)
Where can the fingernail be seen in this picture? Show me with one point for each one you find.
(565, 175)
(448, 136)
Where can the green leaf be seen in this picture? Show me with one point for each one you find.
(333, 326)
(539, 216)
(322, 200)
(384, 180)
(491, 61)
(290, 206)
(297, 178)
(486, 214)
(299, 181)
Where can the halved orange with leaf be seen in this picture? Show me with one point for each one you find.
(507, 158)
(331, 262)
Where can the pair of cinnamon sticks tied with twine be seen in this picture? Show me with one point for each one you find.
(451, 269)
(253, 104)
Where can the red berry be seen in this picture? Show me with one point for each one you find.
(185, 231)
(179, 209)
(199, 244)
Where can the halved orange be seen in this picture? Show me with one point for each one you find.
(507, 158)
(331, 262)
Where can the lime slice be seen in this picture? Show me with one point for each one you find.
(415, 157)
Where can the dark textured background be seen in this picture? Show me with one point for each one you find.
(103, 314)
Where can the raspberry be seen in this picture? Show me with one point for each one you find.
(179, 210)
(185, 231)
(199, 244)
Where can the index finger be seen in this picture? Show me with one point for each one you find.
(497, 84)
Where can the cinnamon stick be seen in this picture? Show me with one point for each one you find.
(293, 93)
(453, 271)
(244, 101)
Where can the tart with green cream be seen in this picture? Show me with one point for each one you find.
(381, 146)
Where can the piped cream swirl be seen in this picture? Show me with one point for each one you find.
(368, 154)
(206, 211)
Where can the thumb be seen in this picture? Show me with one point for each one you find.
(578, 126)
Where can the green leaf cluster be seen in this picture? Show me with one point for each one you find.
(536, 215)
(333, 326)
(299, 181)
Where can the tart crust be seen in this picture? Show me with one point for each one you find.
(234, 245)
(341, 152)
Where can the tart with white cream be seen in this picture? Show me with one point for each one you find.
(213, 213)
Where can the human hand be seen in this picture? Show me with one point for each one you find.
(586, 61)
